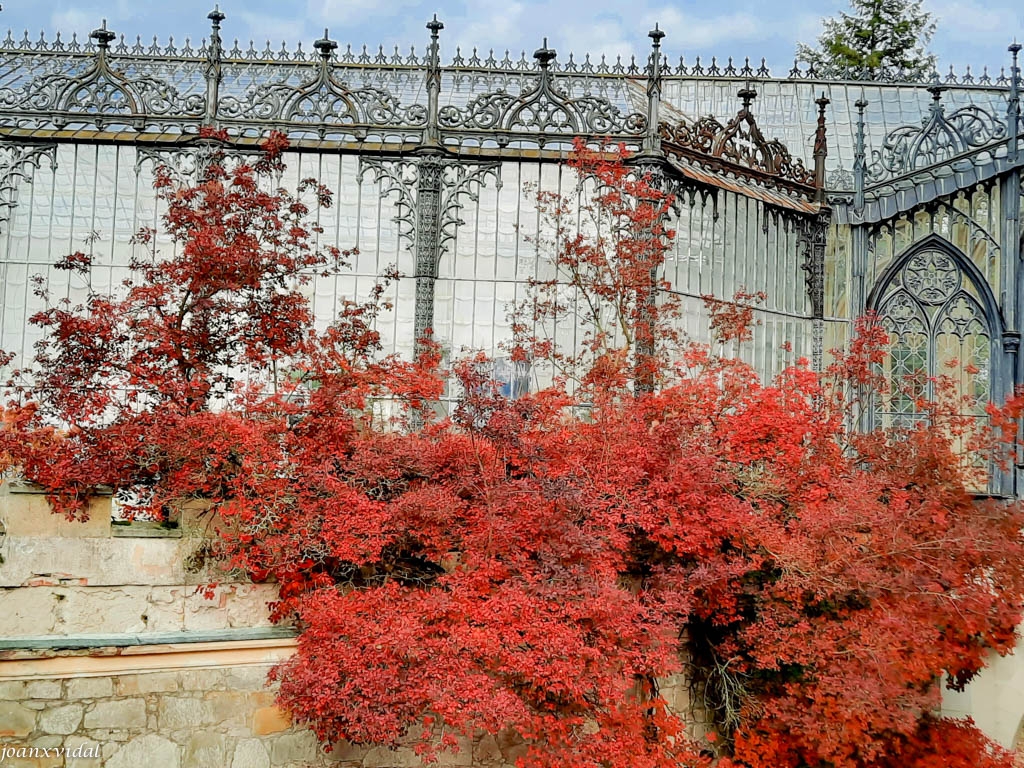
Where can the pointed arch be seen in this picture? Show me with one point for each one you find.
(966, 267)
(943, 320)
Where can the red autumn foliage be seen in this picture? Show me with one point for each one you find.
(535, 567)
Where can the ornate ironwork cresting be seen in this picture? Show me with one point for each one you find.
(740, 147)
(545, 108)
(941, 138)
(320, 102)
(99, 94)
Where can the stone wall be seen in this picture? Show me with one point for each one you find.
(61, 578)
(148, 687)
(208, 717)
(197, 705)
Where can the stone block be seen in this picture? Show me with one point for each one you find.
(61, 720)
(12, 690)
(82, 752)
(119, 715)
(382, 757)
(90, 688)
(178, 712)
(228, 706)
(201, 613)
(152, 682)
(47, 742)
(249, 678)
(201, 680)
(101, 610)
(148, 750)
(295, 748)
(250, 753)
(206, 750)
(29, 514)
(15, 720)
(28, 611)
(97, 561)
(511, 745)
(267, 720)
(43, 689)
(486, 750)
(344, 752)
(464, 757)
(248, 605)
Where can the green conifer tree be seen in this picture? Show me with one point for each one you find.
(878, 38)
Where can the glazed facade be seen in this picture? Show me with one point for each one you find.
(832, 197)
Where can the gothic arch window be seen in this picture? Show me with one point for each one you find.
(933, 307)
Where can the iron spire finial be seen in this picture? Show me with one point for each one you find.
(216, 16)
(747, 94)
(544, 55)
(325, 46)
(102, 36)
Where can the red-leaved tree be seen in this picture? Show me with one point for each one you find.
(536, 569)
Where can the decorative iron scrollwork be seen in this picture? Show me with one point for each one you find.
(462, 181)
(102, 92)
(931, 277)
(16, 164)
(543, 106)
(395, 177)
(938, 139)
(455, 183)
(322, 100)
(739, 143)
(185, 164)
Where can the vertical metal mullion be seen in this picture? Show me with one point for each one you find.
(497, 227)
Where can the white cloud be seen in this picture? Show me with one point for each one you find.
(73, 20)
(261, 27)
(968, 20)
(489, 24)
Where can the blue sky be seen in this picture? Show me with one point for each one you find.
(974, 32)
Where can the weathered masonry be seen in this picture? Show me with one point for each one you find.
(834, 197)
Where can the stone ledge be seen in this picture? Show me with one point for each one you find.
(145, 642)
(195, 651)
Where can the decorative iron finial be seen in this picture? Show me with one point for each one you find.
(819, 139)
(747, 94)
(216, 16)
(859, 156)
(325, 46)
(1013, 103)
(1014, 49)
(544, 55)
(102, 36)
(936, 92)
(432, 135)
(652, 139)
(820, 148)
